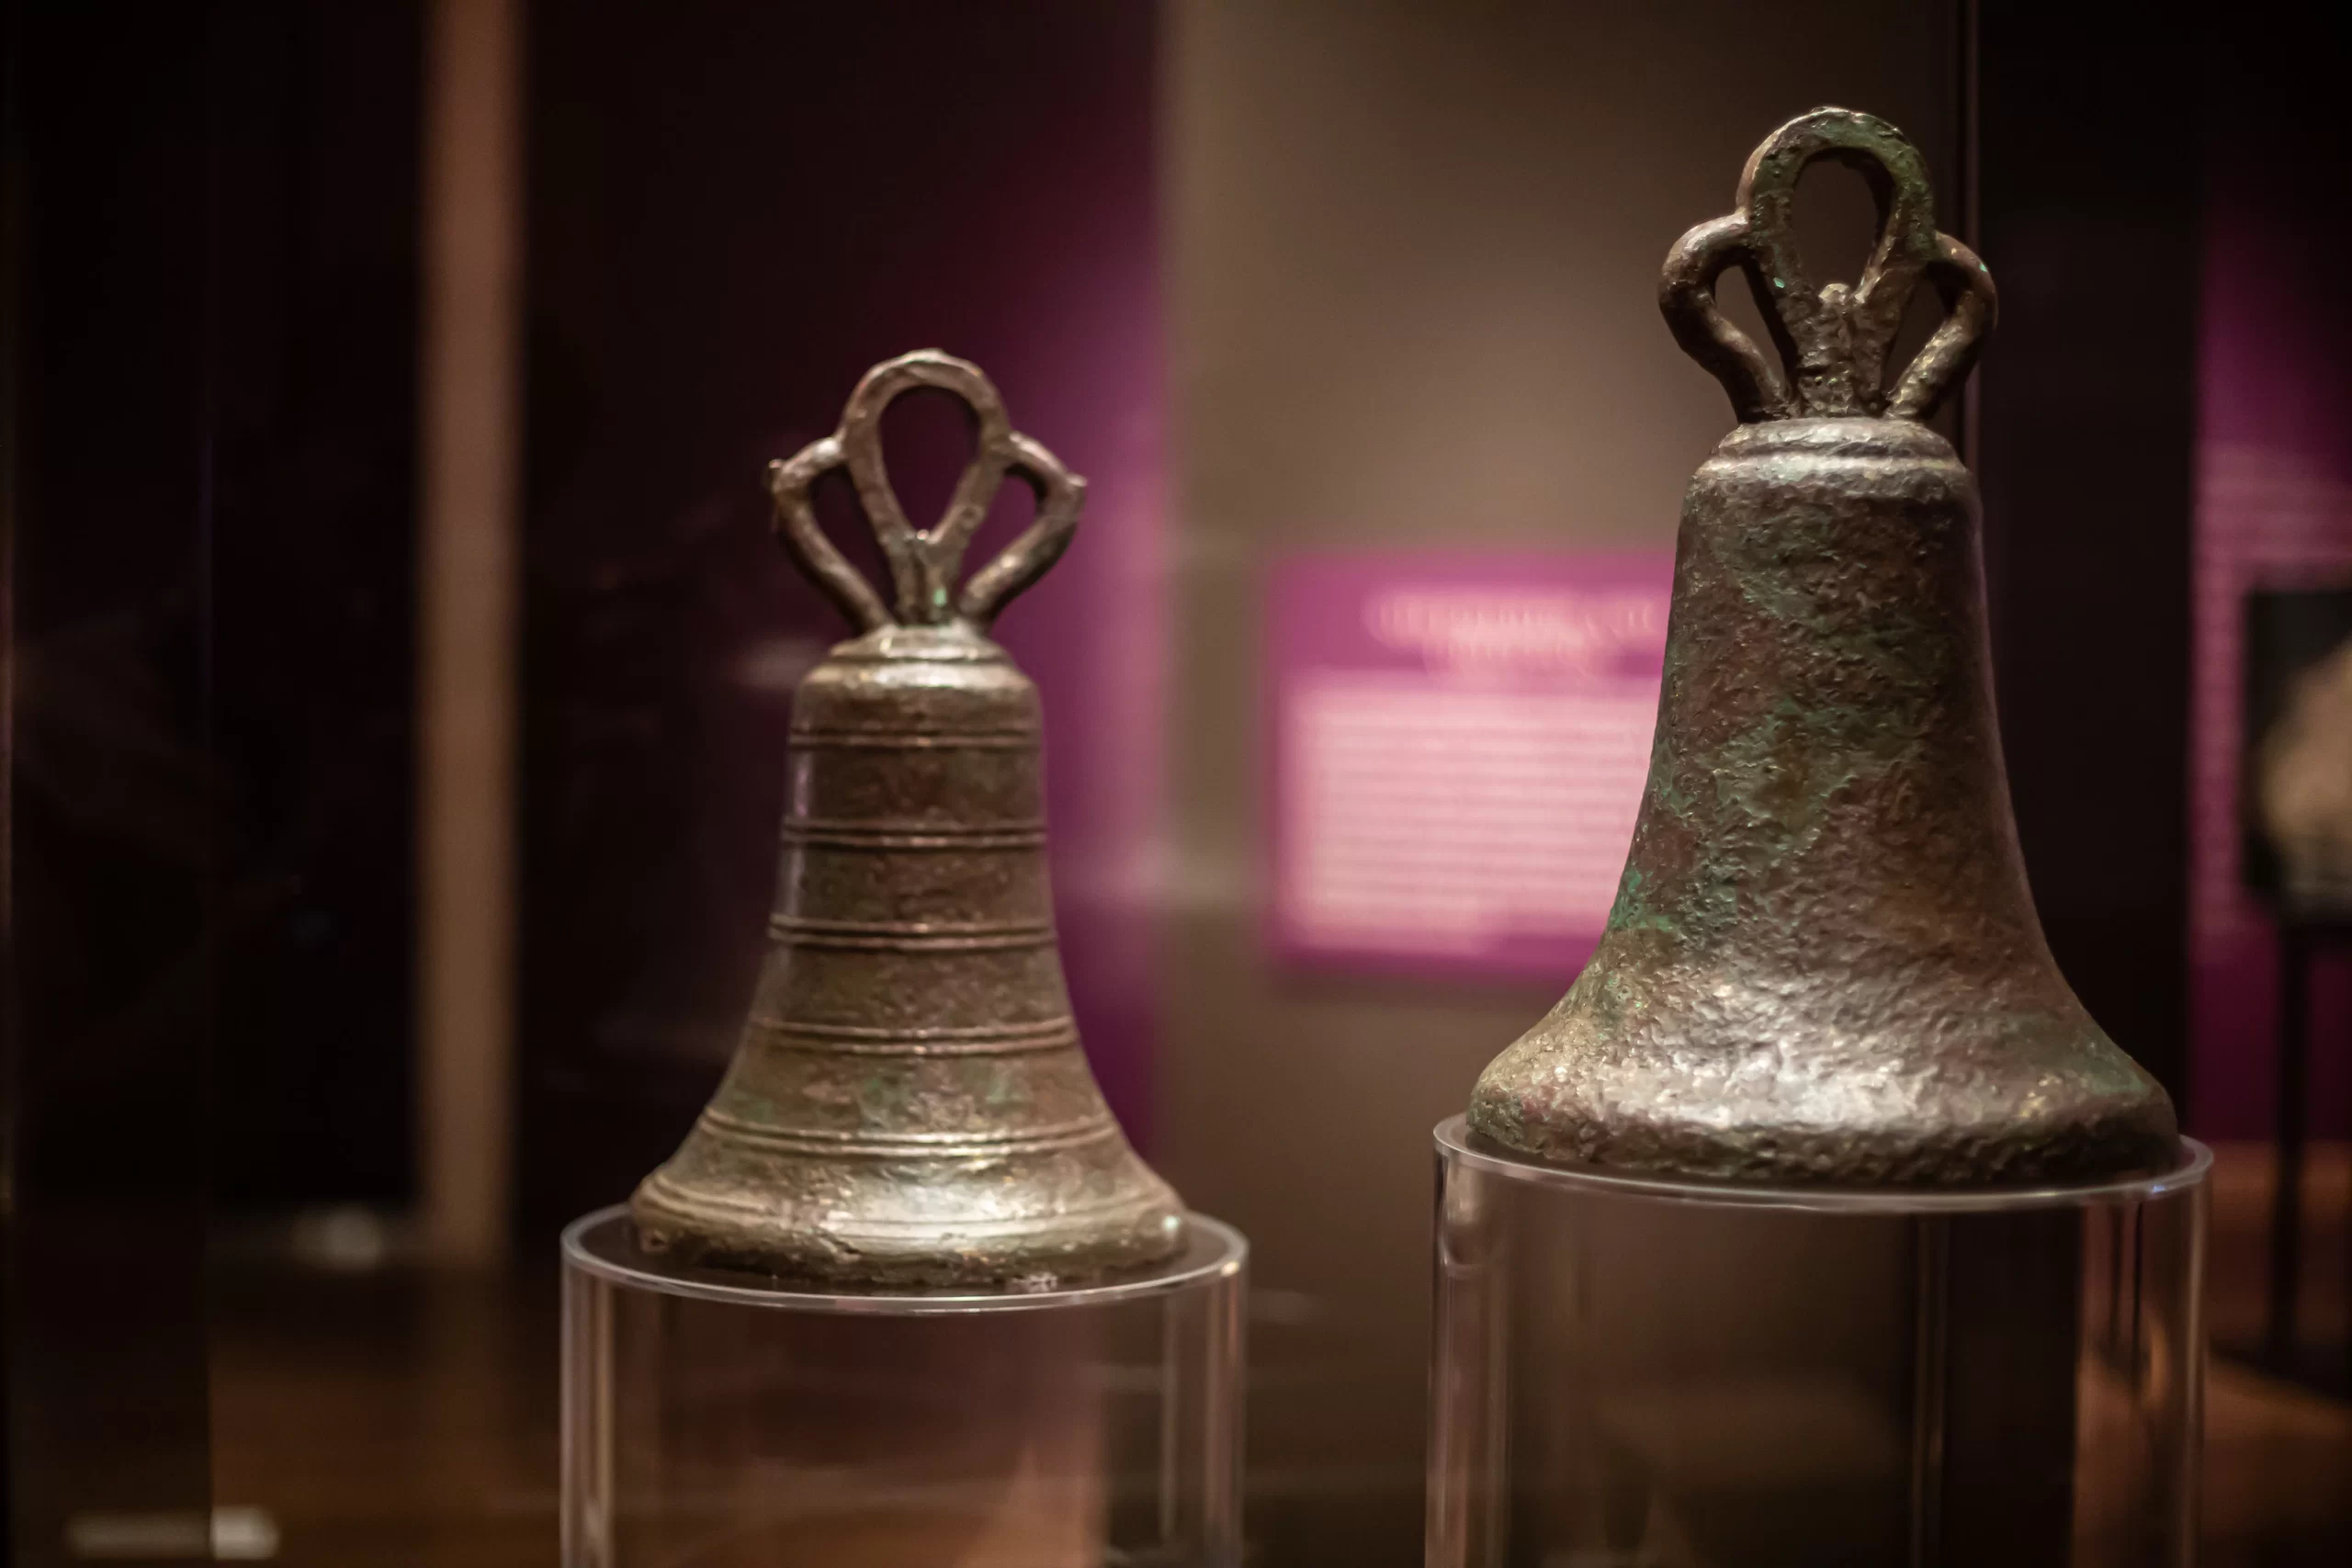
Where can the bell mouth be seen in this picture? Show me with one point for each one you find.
(605, 1244)
(1070, 1247)
(2002, 1144)
(2191, 1164)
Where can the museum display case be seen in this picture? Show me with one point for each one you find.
(712, 1419)
(574, 992)
(1643, 1370)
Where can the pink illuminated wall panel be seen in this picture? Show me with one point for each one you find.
(1460, 743)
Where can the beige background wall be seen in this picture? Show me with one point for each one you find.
(1412, 252)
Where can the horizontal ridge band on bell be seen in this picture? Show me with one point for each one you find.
(916, 739)
(871, 1226)
(1051, 1138)
(863, 1040)
(912, 834)
(929, 936)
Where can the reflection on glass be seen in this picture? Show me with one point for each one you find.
(1657, 1374)
(711, 1421)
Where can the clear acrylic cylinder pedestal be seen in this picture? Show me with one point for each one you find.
(1639, 1373)
(714, 1420)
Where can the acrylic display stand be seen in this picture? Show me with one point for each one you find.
(1635, 1373)
(711, 1419)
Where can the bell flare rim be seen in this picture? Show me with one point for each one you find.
(1204, 1249)
(1787, 1184)
(1141, 1227)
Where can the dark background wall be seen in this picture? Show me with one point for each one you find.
(2274, 512)
(2088, 213)
(211, 238)
(311, 576)
(112, 801)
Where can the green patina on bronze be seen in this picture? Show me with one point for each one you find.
(910, 1106)
(1822, 965)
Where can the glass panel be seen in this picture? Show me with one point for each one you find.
(709, 1420)
(1656, 1373)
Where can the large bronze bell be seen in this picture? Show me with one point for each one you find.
(1822, 965)
(908, 1105)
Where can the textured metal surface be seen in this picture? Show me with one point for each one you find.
(1824, 963)
(908, 1105)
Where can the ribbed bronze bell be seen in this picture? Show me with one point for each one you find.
(908, 1104)
(1822, 965)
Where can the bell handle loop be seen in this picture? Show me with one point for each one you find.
(1836, 340)
(1060, 494)
(1833, 342)
(1685, 294)
(924, 562)
(804, 540)
(1972, 308)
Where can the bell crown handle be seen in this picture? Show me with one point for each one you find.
(924, 563)
(1833, 341)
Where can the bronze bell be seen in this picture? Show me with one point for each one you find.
(1822, 965)
(908, 1105)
